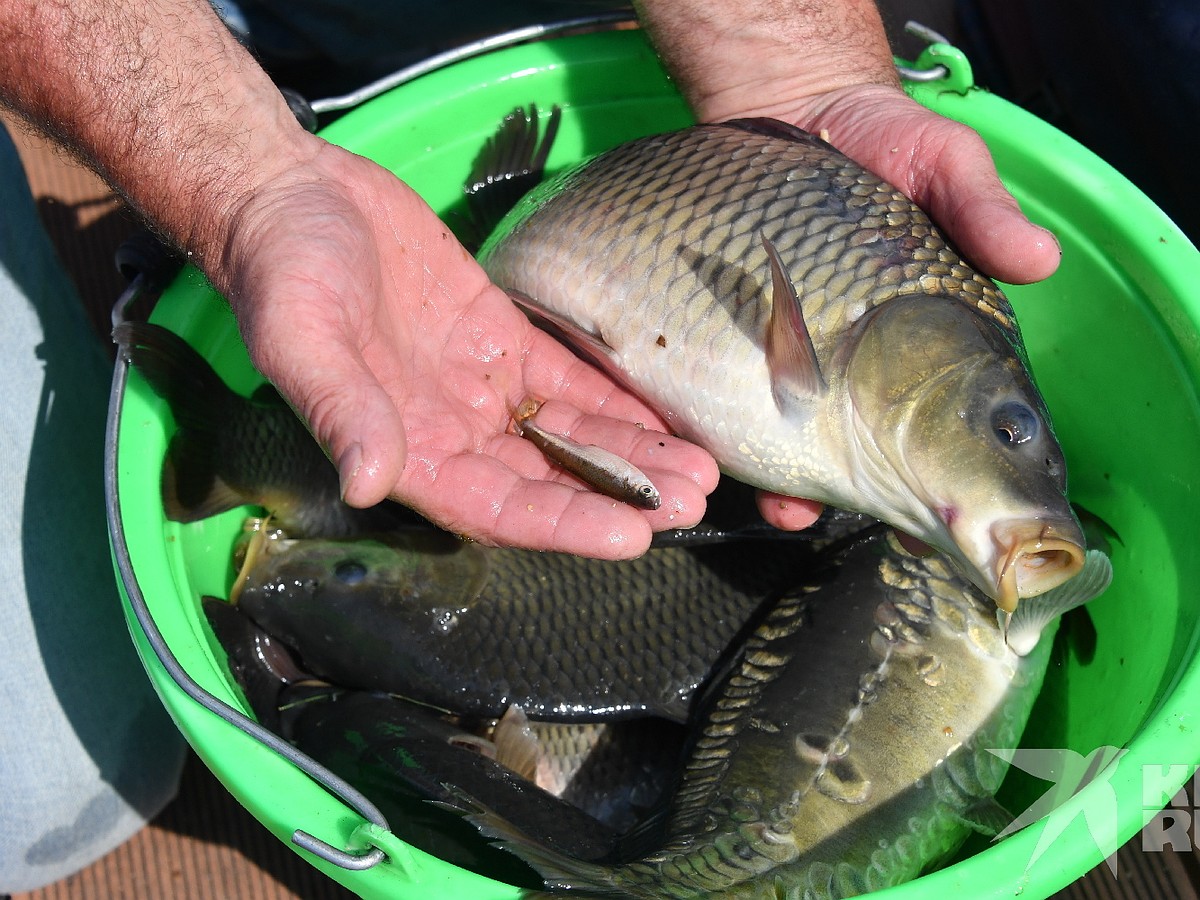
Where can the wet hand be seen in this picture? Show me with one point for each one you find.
(943, 166)
(358, 303)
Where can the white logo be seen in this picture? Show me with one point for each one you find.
(1070, 773)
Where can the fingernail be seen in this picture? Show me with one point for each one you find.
(1053, 237)
(348, 465)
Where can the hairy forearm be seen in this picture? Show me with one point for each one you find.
(158, 97)
(738, 57)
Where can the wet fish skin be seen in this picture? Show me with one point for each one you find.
(398, 754)
(476, 630)
(230, 450)
(843, 752)
(904, 390)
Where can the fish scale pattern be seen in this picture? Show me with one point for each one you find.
(674, 221)
(475, 629)
(805, 323)
(654, 251)
(777, 802)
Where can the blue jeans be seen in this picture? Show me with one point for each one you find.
(87, 753)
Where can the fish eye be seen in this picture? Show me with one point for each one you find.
(350, 571)
(1015, 423)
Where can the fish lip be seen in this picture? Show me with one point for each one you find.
(1033, 556)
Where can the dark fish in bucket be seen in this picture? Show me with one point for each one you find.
(477, 629)
(808, 325)
(231, 450)
(847, 748)
(401, 755)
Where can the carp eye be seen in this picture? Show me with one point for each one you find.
(350, 571)
(1015, 423)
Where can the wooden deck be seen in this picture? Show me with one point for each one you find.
(205, 846)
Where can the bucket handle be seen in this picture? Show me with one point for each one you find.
(940, 61)
(143, 282)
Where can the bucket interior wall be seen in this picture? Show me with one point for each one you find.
(1115, 346)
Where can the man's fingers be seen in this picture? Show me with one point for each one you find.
(955, 180)
(945, 168)
(787, 513)
(478, 496)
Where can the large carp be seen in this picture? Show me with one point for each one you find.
(477, 629)
(808, 325)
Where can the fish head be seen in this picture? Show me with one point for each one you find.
(415, 568)
(943, 401)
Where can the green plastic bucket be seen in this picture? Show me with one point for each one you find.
(1114, 338)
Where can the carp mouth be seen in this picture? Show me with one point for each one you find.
(1033, 557)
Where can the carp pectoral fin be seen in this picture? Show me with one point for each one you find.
(791, 358)
(1033, 614)
(191, 488)
(587, 344)
(986, 816)
(517, 747)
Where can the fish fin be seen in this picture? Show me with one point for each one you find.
(176, 372)
(986, 816)
(511, 162)
(559, 871)
(201, 405)
(191, 487)
(517, 747)
(1099, 534)
(1033, 614)
(261, 666)
(791, 358)
(769, 127)
(587, 344)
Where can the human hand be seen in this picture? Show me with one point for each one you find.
(362, 308)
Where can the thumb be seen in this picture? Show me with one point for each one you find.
(348, 412)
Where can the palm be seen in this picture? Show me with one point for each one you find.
(407, 363)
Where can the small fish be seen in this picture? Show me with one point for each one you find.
(476, 629)
(603, 470)
(231, 450)
(846, 748)
(809, 326)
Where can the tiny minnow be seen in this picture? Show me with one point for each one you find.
(603, 470)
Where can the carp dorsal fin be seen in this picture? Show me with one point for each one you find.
(791, 358)
(775, 128)
(511, 162)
